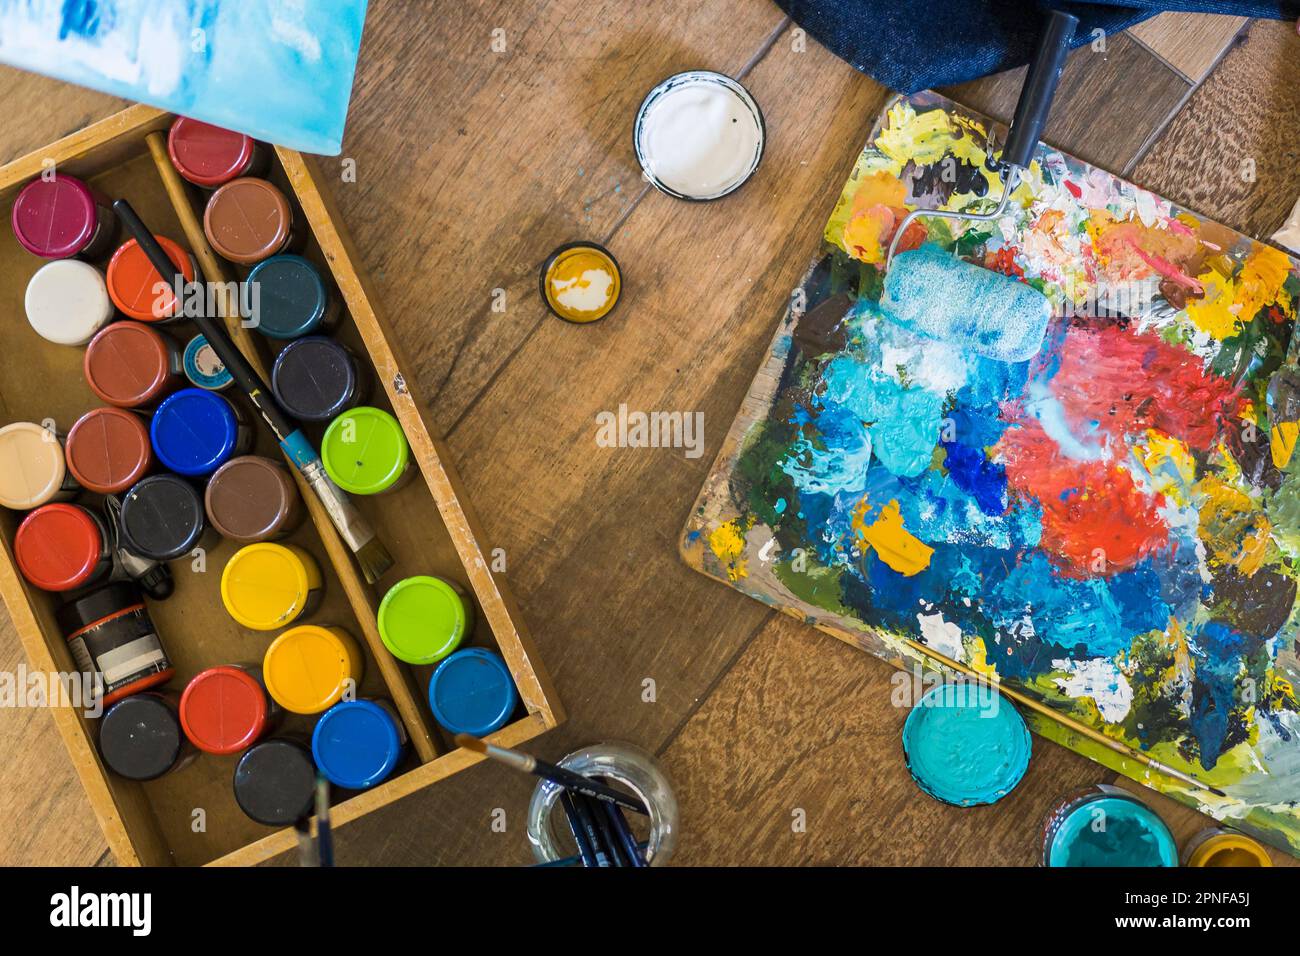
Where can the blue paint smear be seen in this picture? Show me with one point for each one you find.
(972, 472)
(1112, 831)
(903, 421)
(1218, 651)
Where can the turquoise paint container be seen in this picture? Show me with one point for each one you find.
(966, 744)
(1106, 826)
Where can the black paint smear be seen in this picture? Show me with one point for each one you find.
(1257, 604)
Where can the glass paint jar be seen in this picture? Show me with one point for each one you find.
(248, 220)
(472, 692)
(1106, 826)
(194, 432)
(62, 547)
(269, 586)
(130, 365)
(203, 368)
(275, 782)
(140, 737)
(108, 450)
(316, 379)
(251, 498)
(365, 452)
(67, 302)
(422, 619)
(60, 216)
(33, 467)
(292, 300)
(209, 156)
(310, 668)
(162, 519)
(226, 709)
(135, 288)
(1221, 847)
(358, 743)
(112, 637)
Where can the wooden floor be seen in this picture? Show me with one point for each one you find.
(471, 166)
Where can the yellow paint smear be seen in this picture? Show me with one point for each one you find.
(897, 547)
(1282, 439)
(728, 542)
(1169, 463)
(1232, 528)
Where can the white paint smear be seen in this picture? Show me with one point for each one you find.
(587, 293)
(1099, 679)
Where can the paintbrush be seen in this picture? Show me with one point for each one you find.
(306, 846)
(324, 839)
(622, 833)
(549, 771)
(581, 836)
(369, 551)
(577, 860)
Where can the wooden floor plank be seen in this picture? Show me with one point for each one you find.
(1189, 42)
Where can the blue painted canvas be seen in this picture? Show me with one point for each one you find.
(279, 70)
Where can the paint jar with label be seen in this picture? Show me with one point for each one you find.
(365, 452)
(316, 379)
(291, 299)
(62, 547)
(67, 302)
(130, 365)
(1219, 846)
(269, 586)
(112, 637)
(422, 619)
(195, 432)
(226, 709)
(60, 216)
(275, 782)
(251, 498)
(472, 692)
(248, 220)
(162, 519)
(202, 366)
(108, 450)
(581, 282)
(209, 156)
(358, 743)
(140, 737)
(309, 668)
(136, 289)
(33, 467)
(1106, 826)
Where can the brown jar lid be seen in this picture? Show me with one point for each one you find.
(247, 220)
(129, 364)
(108, 450)
(252, 498)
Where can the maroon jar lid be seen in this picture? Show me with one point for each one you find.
(59, 547)
(55, 218)
(208, 155)
(251, 498)
(129, 364)
(248, 220)
(108, 450)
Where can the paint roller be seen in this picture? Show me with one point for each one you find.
(940, 296)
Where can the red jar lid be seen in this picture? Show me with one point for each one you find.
(223, 710)
(208, 155)
(128, 364)
(131, 279)
(55, 218)
(108, 450)
(58, 547)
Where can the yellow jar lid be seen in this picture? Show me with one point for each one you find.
(265, 586)
(306, 668)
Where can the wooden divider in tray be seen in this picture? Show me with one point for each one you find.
(426, 525)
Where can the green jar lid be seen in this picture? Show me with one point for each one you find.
(423, 619)
(364, 451)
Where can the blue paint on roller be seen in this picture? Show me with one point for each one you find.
(935, 294)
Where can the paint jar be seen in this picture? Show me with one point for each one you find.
(422, 619)
(130, 365)
(209, 156)
(108, 450)
(250, 499)
(62, 547)
(67, 302)
(140, 737)
(625, 766)
(472, 692)
(291, 298)
(33, 468)
(202, 366)
(699, 135)
(226, 709)
(162, 519)
(1218, 846)
(248, 220)
(137, 290)
(195, 432)
(1106, 826)
(365, 452)
(60, 217)
(268, 586)
(309, 668)
(275, 782)
(358, 743)
(581, 282)
(316, 379)
(112, 638)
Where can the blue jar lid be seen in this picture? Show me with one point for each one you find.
(315, 379)
(203, 368)
(356, 744)
(291, 296)
(194, 432)
(472, 692)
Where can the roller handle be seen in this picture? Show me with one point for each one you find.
(1039, 90)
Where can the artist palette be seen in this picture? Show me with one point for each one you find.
(190, 816)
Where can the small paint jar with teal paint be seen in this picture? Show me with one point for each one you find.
(358, 743)
(289, 299)
(202, 366)
(472, 692)
(1106, 826)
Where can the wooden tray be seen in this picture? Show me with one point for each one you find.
(425, 525)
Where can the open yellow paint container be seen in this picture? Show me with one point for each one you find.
(1216, 847)
(581, 282)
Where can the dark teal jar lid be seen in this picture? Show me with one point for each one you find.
(291, 298)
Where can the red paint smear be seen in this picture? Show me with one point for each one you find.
(1075, 191)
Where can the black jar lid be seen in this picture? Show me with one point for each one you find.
(275, 782)
(140, 737)
(315, 379)
(162, 517)
(97, 605)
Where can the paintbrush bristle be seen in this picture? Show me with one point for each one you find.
(374, 559)
(471, 743)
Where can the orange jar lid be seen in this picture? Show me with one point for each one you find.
(132, 280)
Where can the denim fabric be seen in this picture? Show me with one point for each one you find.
(918, 44)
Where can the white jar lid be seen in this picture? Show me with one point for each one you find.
(67, 302)
(32, 467)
